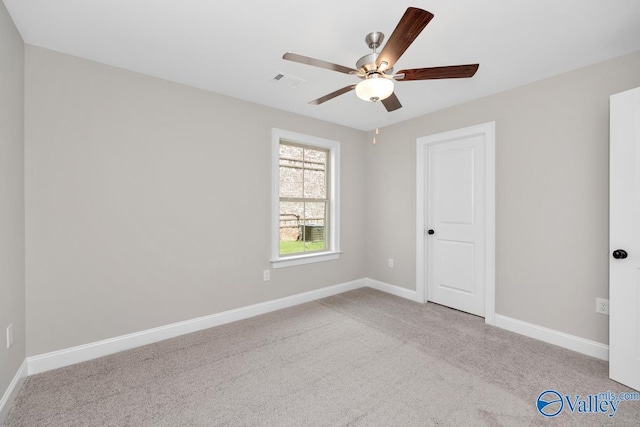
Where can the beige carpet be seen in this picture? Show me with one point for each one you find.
(363, 358)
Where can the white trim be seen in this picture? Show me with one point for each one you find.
(392, 289)
(334, 189)
(304, 259)
(490, 218)
(70, 356)
(421, 288)
(12, 391)
(488, 131)
(551, 336)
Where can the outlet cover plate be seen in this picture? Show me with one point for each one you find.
(602, 306)
(9, 336)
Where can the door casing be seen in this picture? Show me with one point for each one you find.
(487, 130)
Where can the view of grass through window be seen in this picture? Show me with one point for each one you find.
(303, 199)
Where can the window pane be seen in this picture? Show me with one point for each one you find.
(291, 179)
(291, 220)
(318, 156)
(315, 184)
(314, 230)
(314, 213)
(317, 245)
(291, 152)
(291, 171)
(315, 172)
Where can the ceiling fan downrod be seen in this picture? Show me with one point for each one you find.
(367, 64)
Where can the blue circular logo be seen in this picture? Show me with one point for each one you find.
(550, 403)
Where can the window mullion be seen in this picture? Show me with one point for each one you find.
(302, 200)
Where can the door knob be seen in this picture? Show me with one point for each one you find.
(620, 254)
(430, 231)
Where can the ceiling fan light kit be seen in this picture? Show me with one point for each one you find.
(376, 70)
(374, 88)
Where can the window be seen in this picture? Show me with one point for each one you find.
(305, 223)
(304, 201)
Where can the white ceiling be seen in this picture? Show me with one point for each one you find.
(235, 47)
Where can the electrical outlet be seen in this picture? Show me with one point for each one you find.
(602, 306)
(9, 336)
(266, 275)
(390, 263)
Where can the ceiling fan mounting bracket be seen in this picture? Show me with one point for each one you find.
(374, 40)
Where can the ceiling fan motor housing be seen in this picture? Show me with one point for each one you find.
(367, 63)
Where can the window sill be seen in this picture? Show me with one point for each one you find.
(304, 259)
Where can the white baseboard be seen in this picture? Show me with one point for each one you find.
(12, 391)
(73, 355)
(392, 289)
(70, 356)
(551, 336)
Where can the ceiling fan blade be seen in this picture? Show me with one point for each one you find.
(289, 56)
(450, 72)
(411, 24)
(332, 95)
(391, 103)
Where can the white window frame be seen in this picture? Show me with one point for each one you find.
(333, 251)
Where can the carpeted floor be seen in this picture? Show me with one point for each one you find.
(363, 358)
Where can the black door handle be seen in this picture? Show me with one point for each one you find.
(430, 231)
(620, 254)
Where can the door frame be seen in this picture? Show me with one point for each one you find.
(488, 132)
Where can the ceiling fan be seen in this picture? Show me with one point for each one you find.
(376, 69)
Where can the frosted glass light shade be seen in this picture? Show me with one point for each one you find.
(374, 89)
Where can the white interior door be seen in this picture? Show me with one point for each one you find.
(455, 219)
(624, 235)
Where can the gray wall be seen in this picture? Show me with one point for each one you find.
(552, 173)
(148, 202)
(12, 292)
